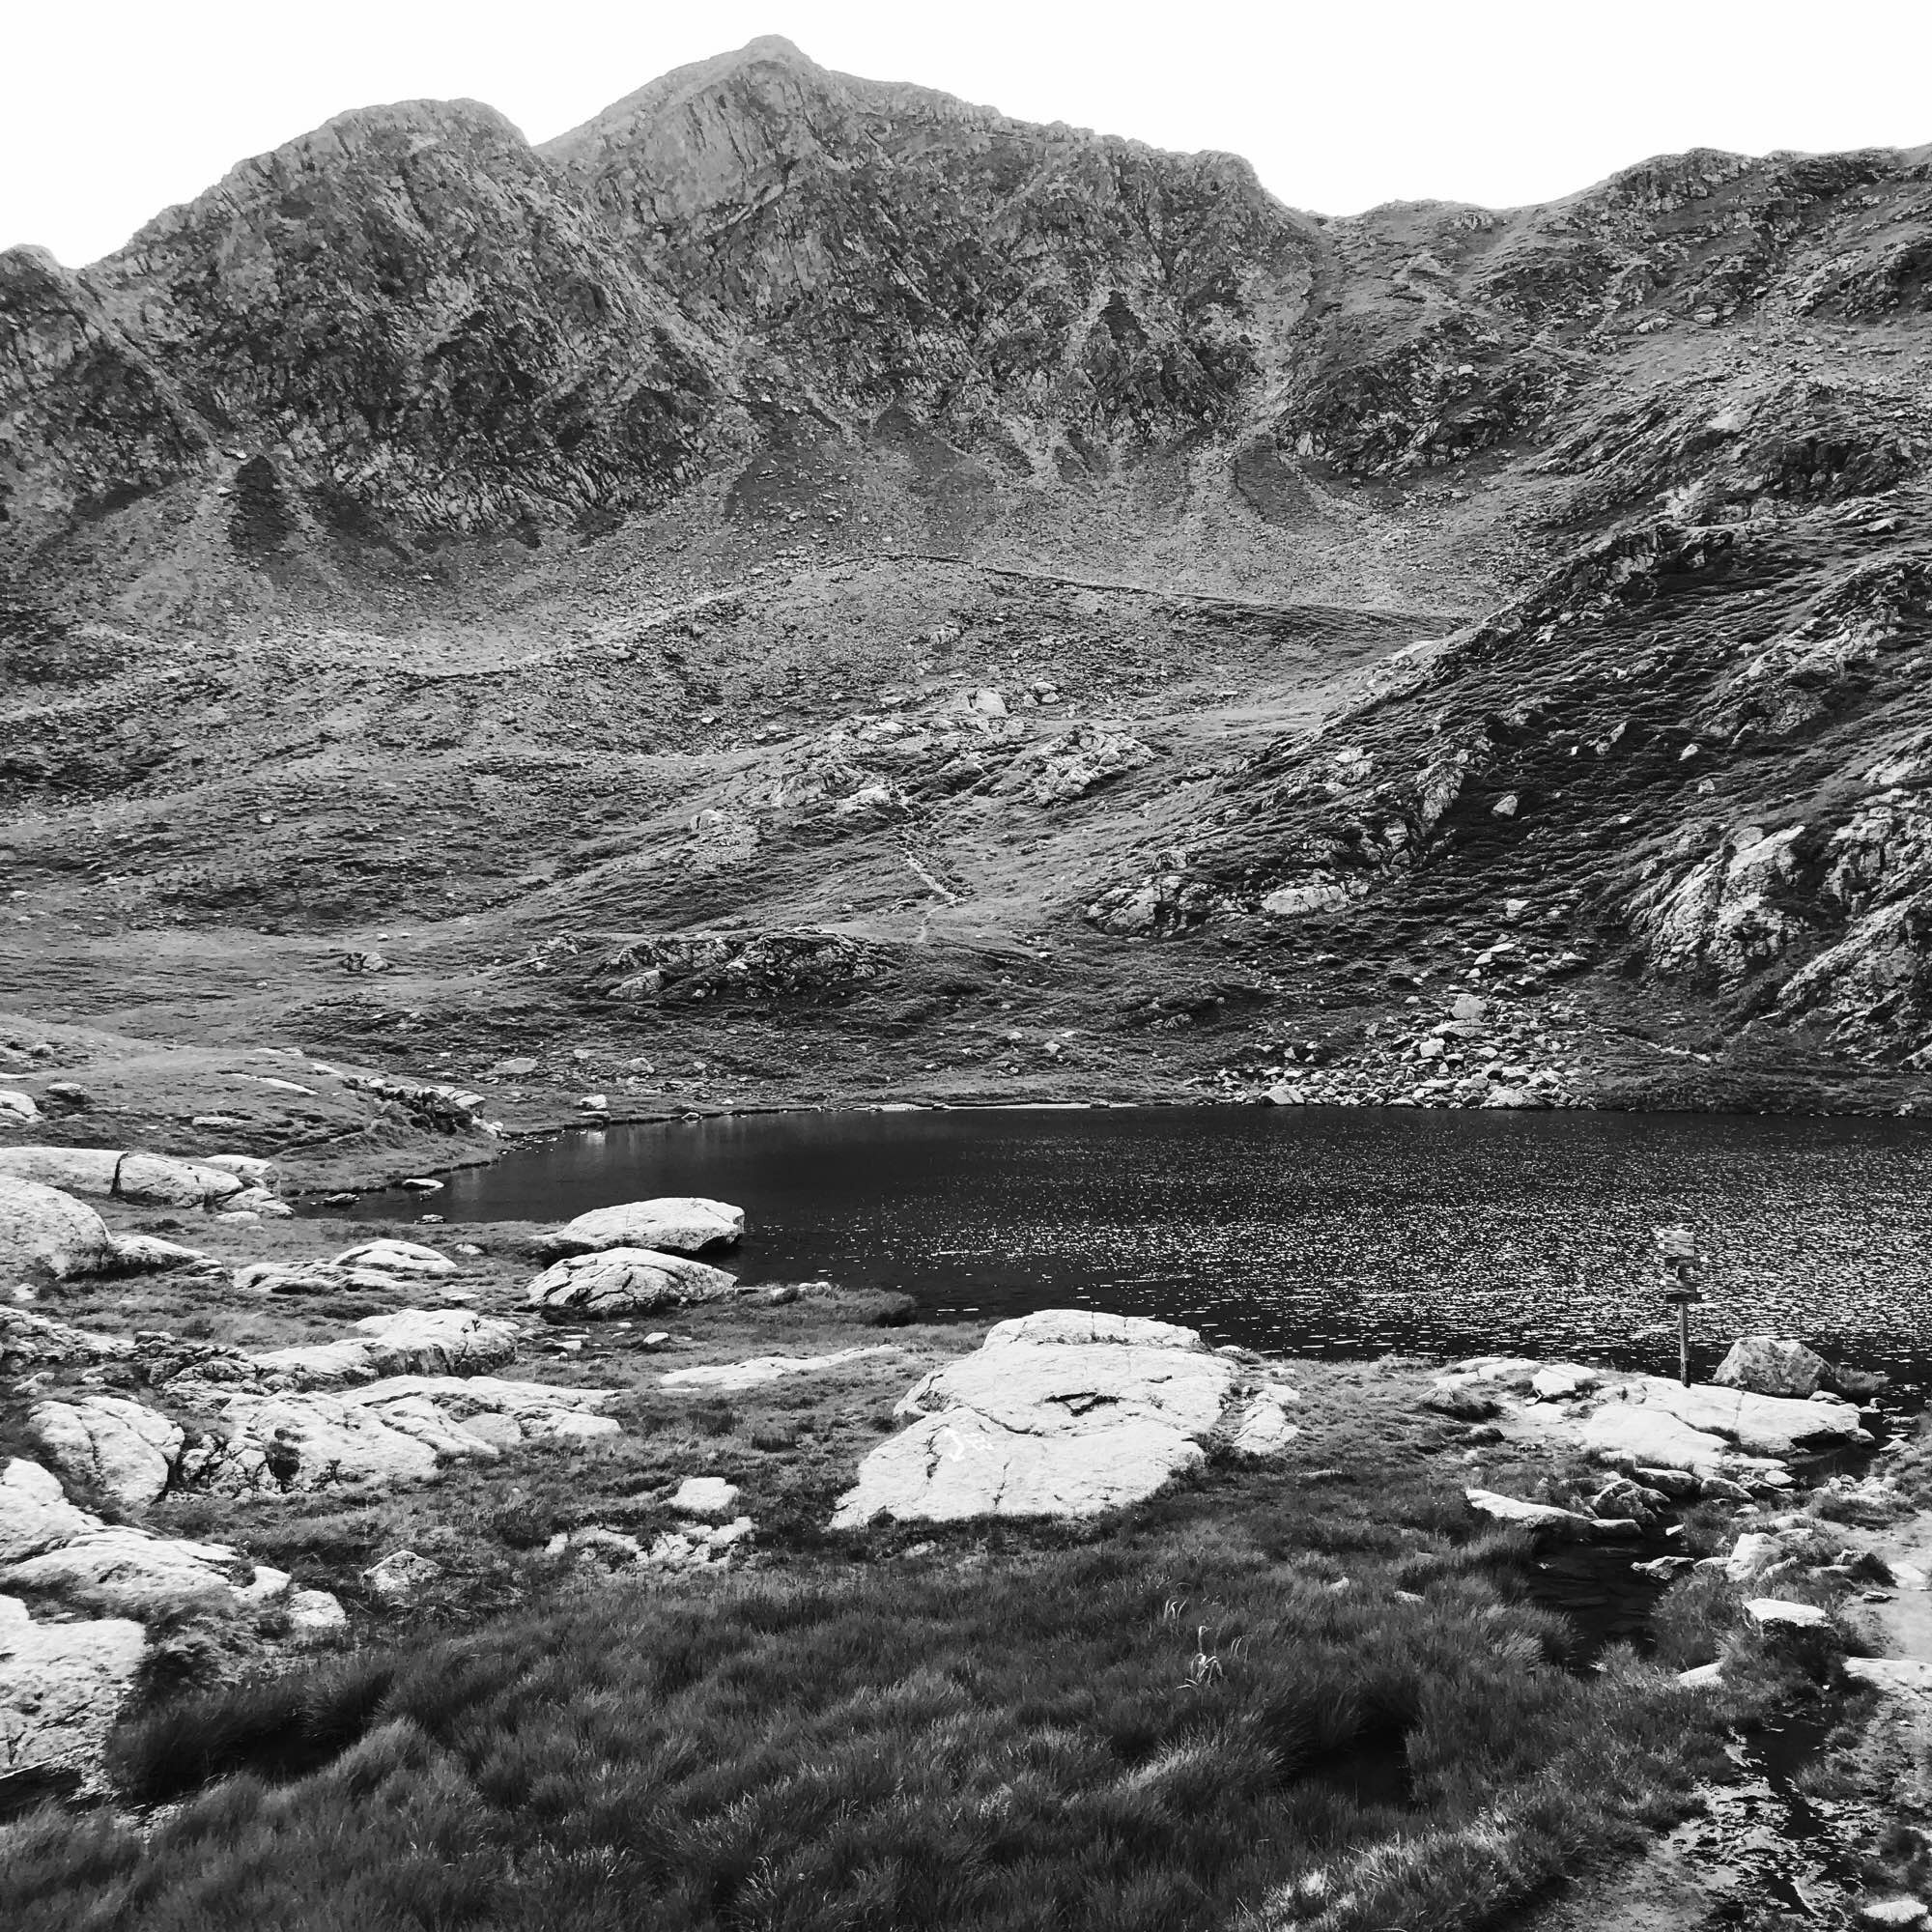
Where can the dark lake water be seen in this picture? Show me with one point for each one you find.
(1326, 1231)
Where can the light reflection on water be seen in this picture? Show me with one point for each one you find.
(1319, 1231)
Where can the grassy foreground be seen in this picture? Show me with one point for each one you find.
(1309, 1696)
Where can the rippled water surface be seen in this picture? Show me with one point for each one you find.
(1328, 1230)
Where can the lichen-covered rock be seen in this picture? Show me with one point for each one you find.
(679, 1224)
(725, 1377)
(30, 1342)
(149, 1254)
(625, 1281)
(120, 1447)
(35, 1513)
(1064, 1413)
(1766, 1365)
(48, 1236)
(61, 1687)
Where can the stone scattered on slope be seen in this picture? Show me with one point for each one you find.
(30, 1341)
(1547, 1520)
(1063, 1413)
(681, 1224)
(315, 1617)
(1774, 1610)
(120, 1447)
(402, 1576)
(147, 1180)
(1767, 1365)
(726, 1377)
(61, 1687)
(48, 1236)
(625, 1281)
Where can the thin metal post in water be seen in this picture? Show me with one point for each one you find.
(1684, 1268)
(1683, 1341)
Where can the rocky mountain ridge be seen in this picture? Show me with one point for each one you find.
(797, 504)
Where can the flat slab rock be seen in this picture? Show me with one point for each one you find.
(1547, 1520)
(1064, 1413)
(762, 1370)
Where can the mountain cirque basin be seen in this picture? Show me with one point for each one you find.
(804, 592)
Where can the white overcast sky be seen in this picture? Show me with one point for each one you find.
(118, 108)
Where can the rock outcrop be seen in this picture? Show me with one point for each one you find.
(61, 1687)
(109, 1443)
(146, 1180)
(1064, 1413)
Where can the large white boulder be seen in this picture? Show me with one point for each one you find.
(61, 1687)
(1768, 1365)
(1759, 1425)
(46, 1235)
(1634, 1436)
(147, 1180)
(118, 1446)
(1064, 1413)
(682, 1224)
(625, 1281)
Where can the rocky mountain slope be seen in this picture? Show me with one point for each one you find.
(802, 586)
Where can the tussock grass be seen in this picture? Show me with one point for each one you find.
(1149, 1728)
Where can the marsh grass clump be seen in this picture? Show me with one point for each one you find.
(273, 1726)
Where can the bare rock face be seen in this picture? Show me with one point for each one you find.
(1759, 1425)
(119, 1446)
(61, 1687)
(47, 1236)
(1064, 1413)
(406, 1258)
(677, 1224)
(1766, 1365)
(625, 1281)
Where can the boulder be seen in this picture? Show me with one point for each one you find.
(1066, 1413)
(1547, 1520)
(1766, 1365)
(1768, 1612)
(315, 1617)
(401, 1576)
(147, 1180)
(682, 1224)
(29, 1342)
(123, 1448)
(625, 1281)
(47, 1236)
(410, 1259)
(17, 1108)
(61, 1687)
(705, 1496)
